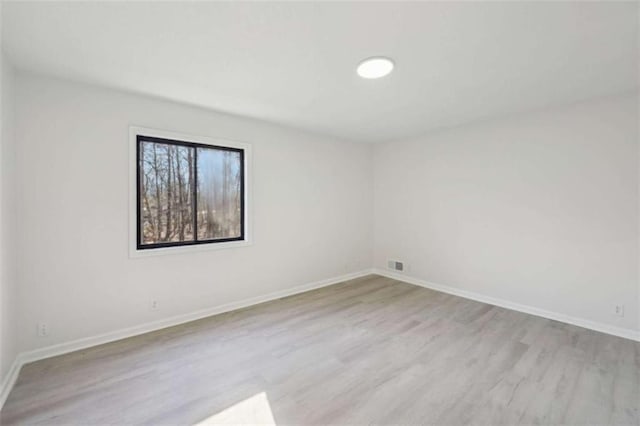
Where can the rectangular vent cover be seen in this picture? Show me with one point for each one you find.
(395, 265)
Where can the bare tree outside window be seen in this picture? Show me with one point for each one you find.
(188, 193)
(218, 194)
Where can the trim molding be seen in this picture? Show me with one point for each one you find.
(79, 344)
(10, 379)
(580, 322)
(87, 342)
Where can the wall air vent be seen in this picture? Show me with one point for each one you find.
(395, 265)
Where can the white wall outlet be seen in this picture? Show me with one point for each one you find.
(619, 310)
(153, 305)
(43, 329)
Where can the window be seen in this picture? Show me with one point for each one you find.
(188, 193)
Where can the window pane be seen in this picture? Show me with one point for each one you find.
(219, 194)
(166, 192)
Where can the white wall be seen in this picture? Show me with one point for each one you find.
(8, 298)
(539, 209)
(8, 348)
(311, 213)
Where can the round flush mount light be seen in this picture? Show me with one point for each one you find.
(375, 67)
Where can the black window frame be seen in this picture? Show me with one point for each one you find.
(195, 242)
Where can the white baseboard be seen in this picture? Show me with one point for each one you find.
(10, 380)
(580, 322)
(75, 345)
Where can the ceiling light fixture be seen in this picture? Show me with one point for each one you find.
(375, 67)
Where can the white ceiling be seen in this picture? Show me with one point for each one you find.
(294, 63)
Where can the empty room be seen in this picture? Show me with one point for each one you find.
(319, 212)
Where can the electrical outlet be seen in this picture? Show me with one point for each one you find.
(619, 310)
(43, 329)
(153, 305)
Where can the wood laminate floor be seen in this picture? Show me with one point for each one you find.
(371, 350)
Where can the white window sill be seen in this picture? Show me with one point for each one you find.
(161, 251)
